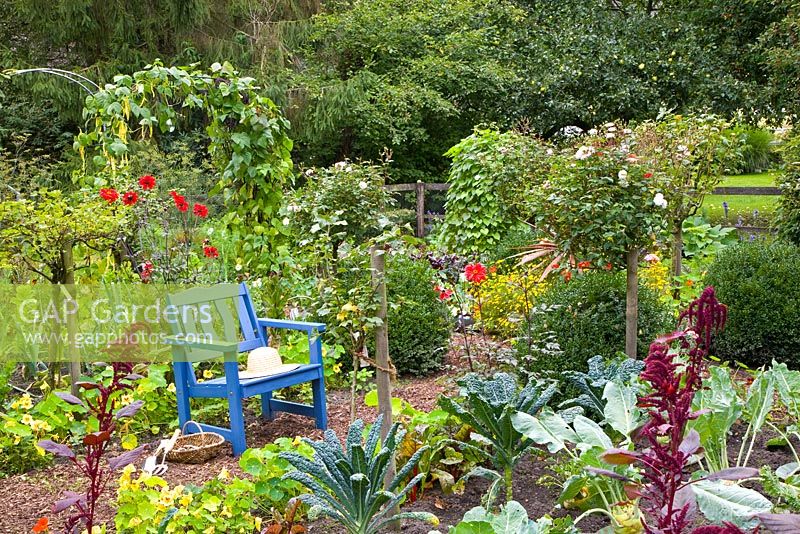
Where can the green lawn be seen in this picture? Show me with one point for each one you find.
(742, 205)
(766, 179)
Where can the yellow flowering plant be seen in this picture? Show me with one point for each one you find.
(506, 299)
(25, 422)
(147, 504)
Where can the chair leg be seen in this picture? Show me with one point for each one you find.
(237, 424)
(266, 409)
(181, 393)
(320, 407)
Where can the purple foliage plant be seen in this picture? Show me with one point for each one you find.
(674, 371)
(103, 405)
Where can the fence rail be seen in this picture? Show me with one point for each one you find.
(420, 187)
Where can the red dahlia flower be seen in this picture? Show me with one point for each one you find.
(180, 201)
(109, 194)
(130, 198)
(147, 182)
(444, 294)
(475, 273)
(200, 210)
(211, 252)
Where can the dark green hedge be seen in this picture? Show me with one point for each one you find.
(587, 318)
(419, 325)
(760, 284)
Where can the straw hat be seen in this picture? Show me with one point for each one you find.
(265, 361)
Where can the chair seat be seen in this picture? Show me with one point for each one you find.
(252, 381)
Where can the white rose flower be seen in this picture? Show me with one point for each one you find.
(549, 151)
(622, 175)
(362, 185)
(584, 152)
(660, 201)
(309, 172)
(593, 131)
(286, 221)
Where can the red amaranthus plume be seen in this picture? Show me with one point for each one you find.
(666, 499)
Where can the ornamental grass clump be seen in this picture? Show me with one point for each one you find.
(348, 484)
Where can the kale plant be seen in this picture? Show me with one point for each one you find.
(348, 484)
(591, 384)
(487, 406)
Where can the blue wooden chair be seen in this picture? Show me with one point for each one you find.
(200, 314)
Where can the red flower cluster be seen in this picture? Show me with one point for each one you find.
(147, 182)
(200, 210)
(475, 273)
(210, 252)
(109, 194)
(648, 175)
(584, 264)
(444, 294)
(146, 271)
(130, 198)
(180, 201)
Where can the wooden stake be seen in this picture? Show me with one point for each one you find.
(420, 188)
(382, 377)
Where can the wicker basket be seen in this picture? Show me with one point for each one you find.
(195, 448)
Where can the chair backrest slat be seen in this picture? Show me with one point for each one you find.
(201, 310)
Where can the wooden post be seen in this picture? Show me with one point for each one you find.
(632, 303)
(72, 327)
(420, 188)
(382, 376)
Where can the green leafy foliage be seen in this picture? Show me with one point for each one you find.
(267, 467)
(690, 151)
(784, 488)
(346, 200)
(35, 231)
(586, 317)
(419, 325)
(247, 133)
(146, 504)
(347, 484)
(591, 384)
(476, 216)
(701, 240)
(511, 519)
(724, 408)
(25, 423)
(757, 281)
(788, 221)
(593, 199)
(487, 405)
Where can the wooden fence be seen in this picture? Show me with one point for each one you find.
(422, 217)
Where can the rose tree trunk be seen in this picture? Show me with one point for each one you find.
(632, 303)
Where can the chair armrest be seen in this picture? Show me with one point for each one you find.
(218, 346)
(292, 325)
